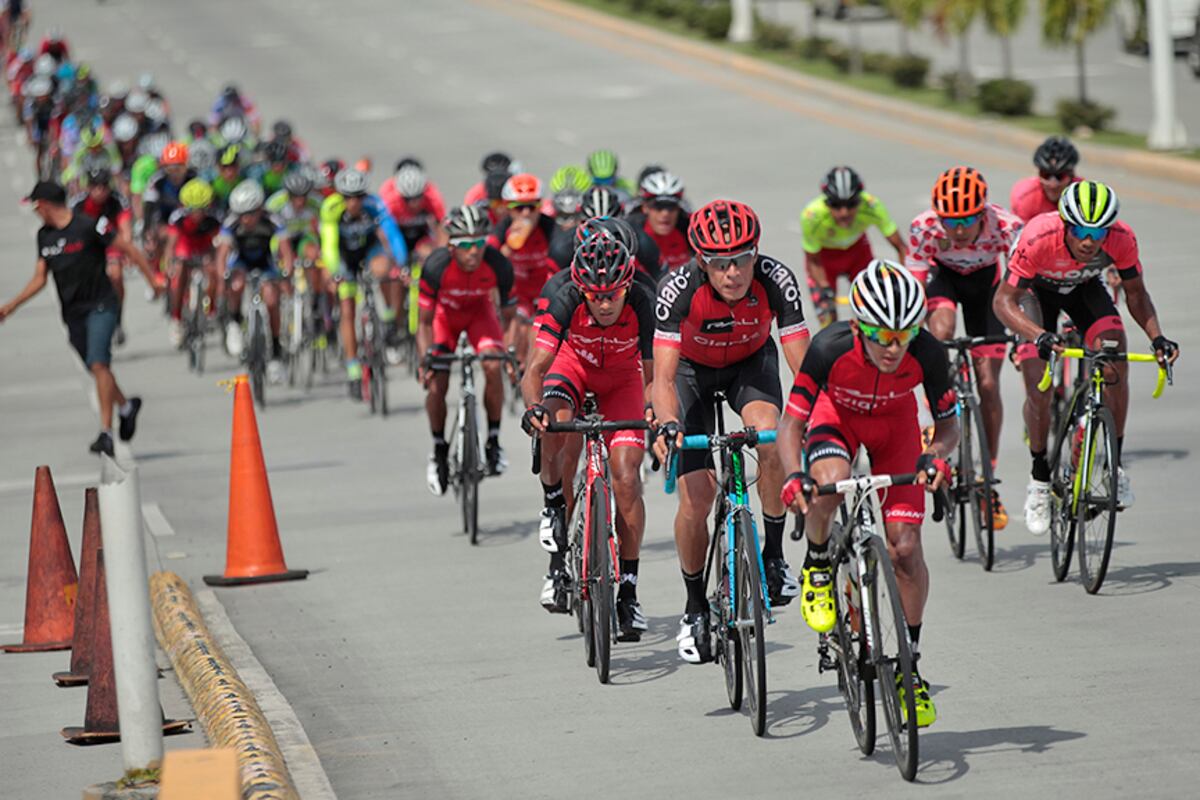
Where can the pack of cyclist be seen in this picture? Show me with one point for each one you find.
(619, 290)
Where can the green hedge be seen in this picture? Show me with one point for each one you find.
(1073, 114)
(1006, 96)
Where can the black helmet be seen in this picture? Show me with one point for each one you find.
(275, 152)
(601, 201)
(602, 264)
(1056, 154)
(464, 221)
(99, 176)
(610, 226)
(493, 183)
(282, 129)
(841, 185)
(496, 161)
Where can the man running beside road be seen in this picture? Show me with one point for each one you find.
(73, 248)
(714, 317)
(1061, 257)
(854, 388)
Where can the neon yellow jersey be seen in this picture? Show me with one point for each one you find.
(822, 233)
(141, 172)
(332, 208)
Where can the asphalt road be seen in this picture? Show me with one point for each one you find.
(421, 666)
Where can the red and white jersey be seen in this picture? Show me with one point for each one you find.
(929, 246)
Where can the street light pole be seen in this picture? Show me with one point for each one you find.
(741, 24)
(1166, 131)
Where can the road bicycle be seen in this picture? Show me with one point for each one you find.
(733, 572)
(1084, 462)
(592, 545)
(372, 347)
(258, 336)
(197, 306)
(467, 467)
(307, 342)
(969, 491)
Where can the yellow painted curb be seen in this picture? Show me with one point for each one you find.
(225, 707)
(1173, 168)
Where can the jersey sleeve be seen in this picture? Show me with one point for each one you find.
(1022, 263)
(431, 277)
(437, 206)
(879, 214)
(783, 293)
(643, 306)
(939, 391)
(556, 321)
(391, 231)
(918, 259)
(1121, 246)
(649, 256)
(827, 347)
(810, 228)
(504, 274)
(672, 305)
(562, 247)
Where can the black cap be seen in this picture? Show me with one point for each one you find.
(50, 191)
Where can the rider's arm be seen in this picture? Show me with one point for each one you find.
(1141, 307)
(535, 372)
(816, 273)
(392, 238)
(662, 389)
(330, 254)
(424, 329)
(917, 259)
(897, 241)
(35, 285)
(287, 254)
(939, 392)
(502, 267)
(783, 294)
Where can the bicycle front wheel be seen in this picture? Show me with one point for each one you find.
(379, 388)
(978, 483)
(1062, 494)
(893, 657)
(750, 622)
(956, 515)
(726, 644)
(470, 475)
(1096, 505)
(854, 678)
(600, 580)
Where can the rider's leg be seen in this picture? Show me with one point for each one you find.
(493, 395)
(942, 319)
(912, 576)
(764, 416)
(697, 489)
(435, 405)
(346, 331)
(987, 373)
(177, 278)
(270, 294)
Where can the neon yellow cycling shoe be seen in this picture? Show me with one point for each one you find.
(926, 713)
(816, 599)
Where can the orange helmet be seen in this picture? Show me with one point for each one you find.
(959, 192)
(174, 153)
(522, 188)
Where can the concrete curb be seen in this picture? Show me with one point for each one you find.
(224, 705)
(992, 132)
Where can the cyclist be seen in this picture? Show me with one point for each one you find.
(298, 211)
(244, 244)
(714, 334)
(492, 162)
(95, 152)
(834, 228)
(457, 284)
(1061, 258)
(956, 249)
(141, 171)
(161, 197)
(270, 165)
(602, 204)
(524, 239)
(417, 206)
(282, 132)
(231, 103)
(662, 217)
(1055, 159)
(358, 233)
(191, 237)
(602, 166)
(855, 388)
(570, 178)
(596, 336)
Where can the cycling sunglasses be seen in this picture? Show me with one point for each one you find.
(521, 207)
(663, 205)
(842, 203)
(1085, 232)
(602, 297)
(467, 244)
(1046, 175)
(722, 263)
(886, 336)
(959, 222)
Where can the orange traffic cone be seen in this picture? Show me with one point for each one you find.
(252, 551)
(52, 583)
(85, 614)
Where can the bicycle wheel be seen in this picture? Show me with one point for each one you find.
(600, 579)
(854, 678)
(978, 486)
(727, 646)
(956, 517)
(893, 659)
(1097, 501)
(470, 474)
(751, 640)
(379, 386)
(1062, 504)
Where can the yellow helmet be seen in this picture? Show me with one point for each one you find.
(196, 194)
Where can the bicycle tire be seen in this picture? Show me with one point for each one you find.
(750, 627)
(728, 648)
(956, 518)
(978, 508)
(893, 658)
(379, 386)
(1097, 505)
(854, 679)
(575, 562)
(600, 582)
(470, 475)
(1062, 520)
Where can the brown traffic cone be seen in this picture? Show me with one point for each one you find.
(85, 614)
(252, 551)
(100, 721)
(52, 582)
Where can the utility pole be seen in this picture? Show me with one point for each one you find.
(741, 24)
(1166, 131)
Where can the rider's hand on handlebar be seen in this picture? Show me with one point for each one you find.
(535, 418)
(669, 432)
(1165, 350)
(932, 472)
(1048, 343)
(796, 489)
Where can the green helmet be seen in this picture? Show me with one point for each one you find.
(91, 137)
(196, 194)
(570, 178)
(603, 165)
(1090, 204)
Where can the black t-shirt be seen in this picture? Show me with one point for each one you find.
(76, 258)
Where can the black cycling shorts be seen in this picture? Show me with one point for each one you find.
(752, 378)
(973, 292)
(1089, 305)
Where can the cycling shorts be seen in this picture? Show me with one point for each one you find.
(236, 264)
(974, 292)
(191, 248)
(848, 262)
(893, 442)
(482, 329)
(1089, 306)
(755, 378)
(349, 270)
(620, 393)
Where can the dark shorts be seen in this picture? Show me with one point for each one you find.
(1090, 306)
(91, 335)
(751, 379)
(973, 292)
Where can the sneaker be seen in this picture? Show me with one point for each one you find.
(437, 474)
(816, 602)
(926, 712)
(103, 444)
(1124, 490)
(1037, 507)
(556, 592)
(782, 585)
(552, 529)
(999, 512)
(354, 375)
(695, 638)
(128, 425)
(174, 333)
(496, 461)
(630, 620)
(275, 371)
(233, 339)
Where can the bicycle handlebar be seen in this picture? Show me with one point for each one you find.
(592, 425)
(703, 441)
(967, 342)
(1164, 370)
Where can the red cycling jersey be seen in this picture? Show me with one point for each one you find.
(196, 234)
(621, 345)
(673, 249)
(929, 246)
(461, 301)
(709, 331)
(1028, 200)
(1041, 257)
(532, 265)
(406, 212)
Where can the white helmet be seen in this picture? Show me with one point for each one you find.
(152, 144)
(233, 130)
(156, 111)
(45, 65)
(350, 183)
(125, 128)
(137, 101)
(247, 196)
(202, 155)
(37, 86)
(887, 295)
(410, 181)
(662, 185)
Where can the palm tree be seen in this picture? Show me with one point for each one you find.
(1003, 17)
(1070, 22)
(955, 17)
(910, 14)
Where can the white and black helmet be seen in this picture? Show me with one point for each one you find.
(601, 201)
(351, 183)
(887, 295)
(202, 155)
(410, 181)
(233, 130)
(466, 221)
(841, 185)
(125, 128)
(662, 186)
(246, 197)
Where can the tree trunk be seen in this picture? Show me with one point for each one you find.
(1081, 69)
(855, 39)
(1006, 59)
(962, 80)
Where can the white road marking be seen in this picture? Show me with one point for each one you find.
(156, 520)
(12, 631)
(374, 113)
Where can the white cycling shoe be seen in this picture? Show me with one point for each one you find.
(1037, 507)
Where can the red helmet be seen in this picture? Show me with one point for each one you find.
(174, 153)
(522, 188)
(602, 264)
(723, 227)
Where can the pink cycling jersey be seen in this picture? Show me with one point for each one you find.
(929, 246)
(1041, 257)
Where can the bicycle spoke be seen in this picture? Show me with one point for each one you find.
(1097, 504)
